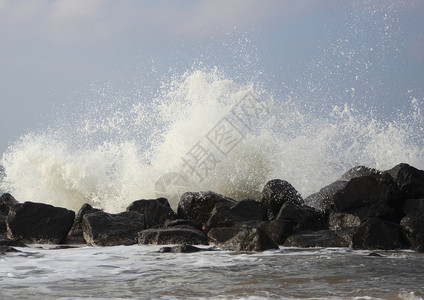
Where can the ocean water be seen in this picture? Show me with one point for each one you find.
(140, 272)
(205, 128)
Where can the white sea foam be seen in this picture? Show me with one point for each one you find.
(105, 159)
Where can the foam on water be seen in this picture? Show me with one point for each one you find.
(124, 145)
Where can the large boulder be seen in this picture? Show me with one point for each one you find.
(413, 206)
(180, 223)
(322, 238)
(224, 215)
(3, 226)
(278, 230)
(337, 220)
(219, 235)
(375, 233)
(262, 235)
(170, 236)
(199, 205)
(155, 211)
(370, 196)
(75, 235)
(104, 229)
(413, 227)
(39, 223)
(323, 199)
(303, 217)
(410, 180)
(277, 192)
(359, 171)
(249, 239)
(7, 201)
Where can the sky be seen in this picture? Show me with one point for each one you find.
(53, 51)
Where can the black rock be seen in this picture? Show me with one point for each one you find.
(337, 221)
(7, 249)
(413, 207)
(323, 199)
(410, 180)
(359, 171)
(104, 229)
(5, 242)
(370, 196)
(169, 236)
(303, 217)
(249, 239)
(224, 215)
(155, 211)
(322, 238)
(39, 223)
(374, 254)
(3, 226)
(6, 202)
(413, 226)
(182, 249)
(375, 233)
(219, 235)
(277, 192)
(198, 206)
(179, 223)
(75, 235)
(278, 230)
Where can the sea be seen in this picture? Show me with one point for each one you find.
(208, 128)
(140, 272)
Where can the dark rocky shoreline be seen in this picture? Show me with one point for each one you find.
(365, 209)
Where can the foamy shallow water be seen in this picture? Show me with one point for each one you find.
(140, 272)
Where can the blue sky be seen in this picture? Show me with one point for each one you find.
(52, 51)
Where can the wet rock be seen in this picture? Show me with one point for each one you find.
(224, 215)
(155, 211)
(413, 206)
(7, 201)
(323, 199)
(75, 235)
(303, 217)
(179, 223)
(219, 235)
(104, 229)
(374, 254)
(322, 238)
(249, 239)
(410, 180)
(39, 223)
(375, 233)
(5, 242)
(359, 171)
(3, 226)
(169, 236)
(198, 206)
(278, 230)
(277, 192)
(7, 249)
(182, 249)
(370, 196)
(413, 226)
(337, 221)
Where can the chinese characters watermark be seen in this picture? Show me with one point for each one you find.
(202, 159)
